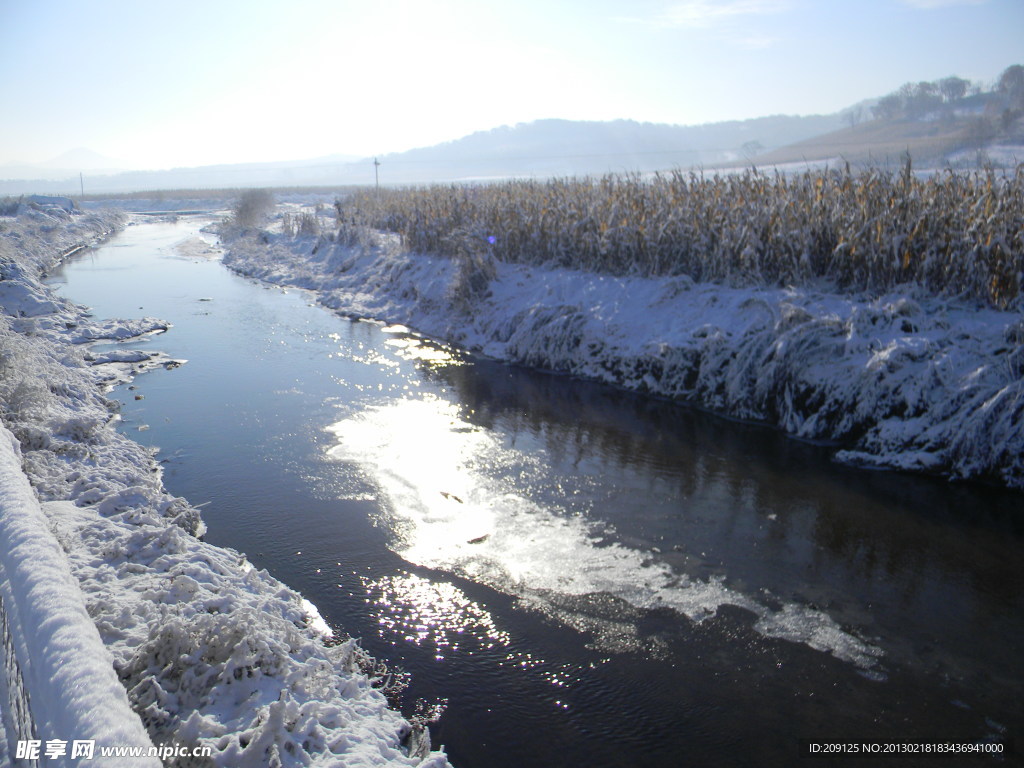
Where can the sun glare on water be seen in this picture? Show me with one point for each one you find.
(456, 498)
(428, 613)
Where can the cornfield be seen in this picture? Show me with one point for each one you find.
(950, 233)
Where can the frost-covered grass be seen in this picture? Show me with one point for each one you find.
(209, 650)
(953, 234)
(901, 378)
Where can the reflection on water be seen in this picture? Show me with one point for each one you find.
(461, 502)
(434, 614)
(575, 500)
(412, 348)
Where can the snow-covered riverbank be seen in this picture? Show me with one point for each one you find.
(903, 381)
(211, 651)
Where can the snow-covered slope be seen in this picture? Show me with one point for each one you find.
(210, 651)
(904, 381)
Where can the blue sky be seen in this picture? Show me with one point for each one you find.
(156, 84)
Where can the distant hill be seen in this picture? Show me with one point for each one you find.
(569, 147)
(542, 148)
(931, 143)
(940, 123)
(69, 164)
(83, 159)
(875, 142)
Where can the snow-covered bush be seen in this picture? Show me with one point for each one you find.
(9, 206)
(252, 208)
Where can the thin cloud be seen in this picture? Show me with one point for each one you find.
(755, 42)
(928, 5)
(709, 13)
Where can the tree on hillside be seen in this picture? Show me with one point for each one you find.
(888, 107)
(924, 98)
(911, 100)
(1011, 86)
(953, 88)
(915, 100)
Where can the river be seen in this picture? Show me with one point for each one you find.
(578, 575)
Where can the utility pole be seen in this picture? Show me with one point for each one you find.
(81, 180)
(376, 174)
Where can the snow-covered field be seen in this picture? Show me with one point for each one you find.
(160, 204)
(209, 650)
(999, 155)
(904, 381)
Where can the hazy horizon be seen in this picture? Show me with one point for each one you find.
(246, 82)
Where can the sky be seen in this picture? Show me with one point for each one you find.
(157, 84)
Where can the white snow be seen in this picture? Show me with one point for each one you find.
(903, 380)
(75, 693)
(208, 650)
(213, 651)
(998, 155)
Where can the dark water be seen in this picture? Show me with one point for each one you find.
(585, 577)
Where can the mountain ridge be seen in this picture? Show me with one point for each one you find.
(538, 148)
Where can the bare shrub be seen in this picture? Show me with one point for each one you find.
(27, 400)
(9, 206)
(301, 225)
(475, 268)
(252, 208)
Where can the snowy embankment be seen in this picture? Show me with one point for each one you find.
(74, 691)
(210, 651)
(904, 381)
